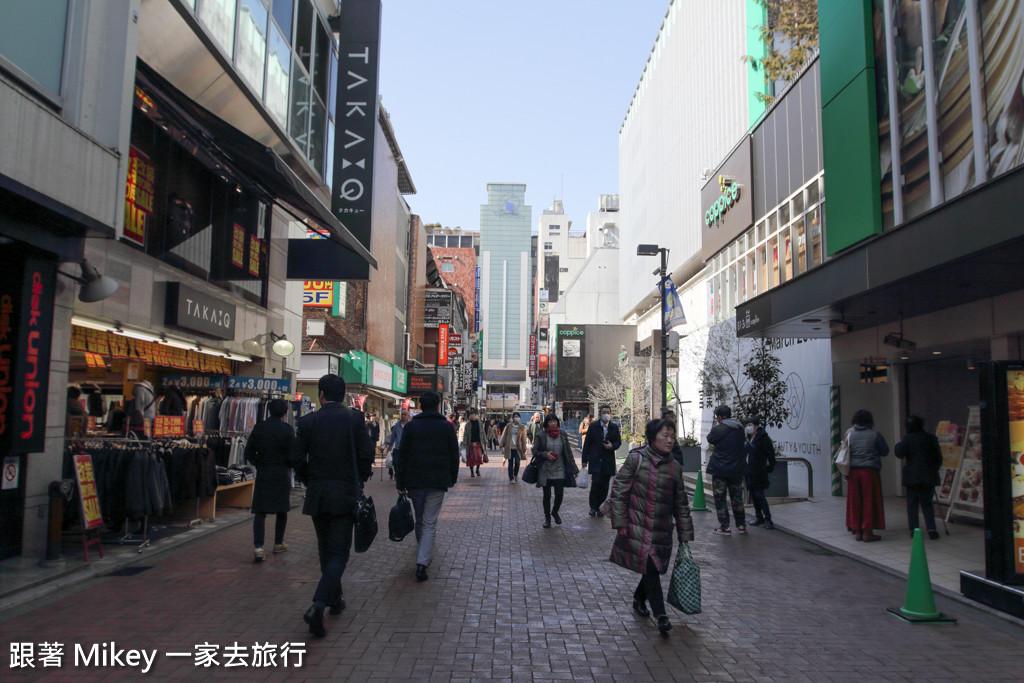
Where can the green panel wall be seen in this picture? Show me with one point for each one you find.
(849, 123)
(756, 17)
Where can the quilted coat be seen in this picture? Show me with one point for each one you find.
(649, 500)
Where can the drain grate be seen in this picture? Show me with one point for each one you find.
(129, 571)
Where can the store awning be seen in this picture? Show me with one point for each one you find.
(967, 250)
(386, 395)
(246, 158)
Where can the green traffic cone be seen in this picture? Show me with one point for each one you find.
(919, 602)
(699, 504)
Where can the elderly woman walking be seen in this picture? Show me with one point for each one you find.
(648, 502)
(557, 466)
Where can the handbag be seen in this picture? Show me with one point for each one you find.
(684, 588)
(400, 521)
(531, 473)
(486, 459)
(581, 479)
(365, 528)
(389, 461)
(842, 459)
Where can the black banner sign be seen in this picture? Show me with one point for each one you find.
(193, 310)
(352, 187)
(27, 291)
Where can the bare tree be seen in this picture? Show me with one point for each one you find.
(719, 367)
(624, 393)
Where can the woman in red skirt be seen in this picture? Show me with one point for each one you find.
(865, 510)
(473, 436)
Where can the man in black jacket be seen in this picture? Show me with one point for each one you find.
(426, 465)
(269, 448)
(599, 445)
(330, 445)
(727, 466)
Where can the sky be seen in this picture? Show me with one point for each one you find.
(523, 91)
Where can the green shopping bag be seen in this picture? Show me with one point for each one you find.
(684, 588)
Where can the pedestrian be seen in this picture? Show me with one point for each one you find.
(395, 438)
(865, 509)
(585, 425)
(492, 435)
(269, 449)
(557, 466)
(669, 415)
(330, 446)
(601, 441)
(727, 466)
(534, 428)
(374, 427)
(513, 446)
(923, 457)
(426, 466)
(648, 500)
(473, 435)
(760, 463)
(75, 421)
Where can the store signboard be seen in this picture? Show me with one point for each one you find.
(193, 310)
(1015, 423)
(138, 200)
(269, 384)
(318, 293)
(951, 446)
(420, 383)
(381, 374)
(726, 201)
(437, 308)
(476, 302)
(968, 498)
(193, 381)
(533, 355)
(442, 344)
(87, 492)
(455, 339)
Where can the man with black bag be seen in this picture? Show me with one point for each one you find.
(426, 465)
(331, 445)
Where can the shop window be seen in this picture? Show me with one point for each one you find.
(252, 42)
(800, 257)
(751, 279)
(32, 37)
(773, 262)
(874, 370)
(218, 16)
(785, 239)
(317, 134)
(282, 10)
(762, 269)
(741, 275)
(329, 155)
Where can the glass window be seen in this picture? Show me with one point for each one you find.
(751, 276)
(798, 204)
(813, 227)
(283, 16)
(784, 214)
(741, 276)
(329, 155)
(218, 16)
(317, 128)
(762, 268)
(304, 33)
(332, 86)
(447, 267)
(278, 71)
(773, 262)
(321, 60)
(773, 224)
(760, 231)
(299, 128)
(466, 242)
(800, 259)
(812, 193)
(252, 42)
(748, 242)
(548, 246)
(787, 245)
(32, 38)
(733, 288)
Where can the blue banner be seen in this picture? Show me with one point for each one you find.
(273, 385)
(193, 381)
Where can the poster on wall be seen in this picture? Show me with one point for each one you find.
(968, 496)
(950, 444)
(1015, 410)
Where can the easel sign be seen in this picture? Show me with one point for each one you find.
(91, 516)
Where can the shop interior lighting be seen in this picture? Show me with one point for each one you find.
(180, 344)
(91, 324)
(972, 364)
(95, 287)
(117, 328)
(137, 334)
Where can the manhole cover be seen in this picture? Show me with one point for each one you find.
(129, 571)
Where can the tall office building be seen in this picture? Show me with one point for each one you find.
(505, 252)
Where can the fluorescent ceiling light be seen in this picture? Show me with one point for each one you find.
(91, 324)
(180, 344)
(138, 334)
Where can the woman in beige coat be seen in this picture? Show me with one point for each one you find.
(513, 446)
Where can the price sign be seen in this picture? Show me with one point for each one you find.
(281, 386)
(192, 381)
(168, 425)
(198, 427)
(87, 491)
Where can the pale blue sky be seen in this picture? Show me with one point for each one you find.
(526, 91)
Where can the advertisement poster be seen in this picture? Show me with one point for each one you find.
(138, 201)
(948, 435)
(87, 491)
(1015, 403)
(967, 491)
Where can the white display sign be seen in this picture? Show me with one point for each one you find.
(382, 374)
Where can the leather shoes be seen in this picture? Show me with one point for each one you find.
(641, 609)
(871, 536)
(547, 522)
(593, 513)
(314, 616)
(554, 516)
(421, 572)
(337, 607)
(934, 535)
(664, 625)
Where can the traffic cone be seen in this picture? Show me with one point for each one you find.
(919, 602)
(699, 504)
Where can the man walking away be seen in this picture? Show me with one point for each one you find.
(395, 438)
(727, 466)
(269, 448)
(599, 445)
(330, 445)
(426, 464)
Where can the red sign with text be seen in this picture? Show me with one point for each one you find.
(168, 425)
(533, 355)
(87, 491)
(442, 344)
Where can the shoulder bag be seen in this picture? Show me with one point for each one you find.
(531, 473)
(366, 514)
(842, 459)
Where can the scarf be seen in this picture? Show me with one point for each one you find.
(553, 432)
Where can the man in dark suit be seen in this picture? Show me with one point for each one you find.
(330, 445)
(602, 440)
(269, 448)
(426, 465)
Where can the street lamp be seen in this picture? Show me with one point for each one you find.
(652, 250)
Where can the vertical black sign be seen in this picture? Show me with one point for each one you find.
(352, 188)
(26, 331)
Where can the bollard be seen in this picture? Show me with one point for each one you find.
(57, 492)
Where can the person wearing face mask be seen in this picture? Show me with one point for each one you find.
(648, 503)
(557, 466)
(513, 446)
(760, 462)
(473, 435)
(599, 445)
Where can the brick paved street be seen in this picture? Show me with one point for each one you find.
(510, 600)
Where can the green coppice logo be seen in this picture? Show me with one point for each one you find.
(730, 195)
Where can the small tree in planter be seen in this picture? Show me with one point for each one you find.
(766, 392)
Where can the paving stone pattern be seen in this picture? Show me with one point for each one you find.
(509, 600)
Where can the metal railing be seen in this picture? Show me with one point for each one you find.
(810, 472)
